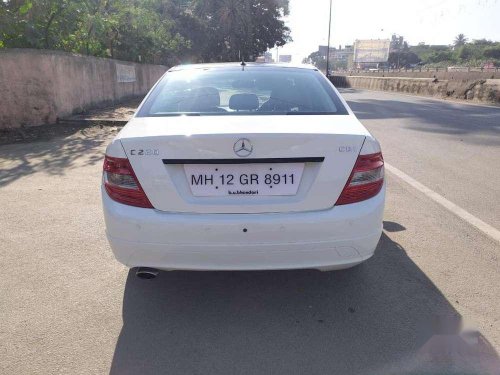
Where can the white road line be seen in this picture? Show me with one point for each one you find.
(450, 206)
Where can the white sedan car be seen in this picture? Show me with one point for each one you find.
(243, 167)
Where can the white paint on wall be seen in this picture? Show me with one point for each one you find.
(125, 73)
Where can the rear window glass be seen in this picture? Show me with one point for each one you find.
(242, 91)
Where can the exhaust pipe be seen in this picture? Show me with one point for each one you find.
(146, 273)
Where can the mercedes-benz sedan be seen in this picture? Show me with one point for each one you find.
(243, 167)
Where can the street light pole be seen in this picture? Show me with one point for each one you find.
(328, 49)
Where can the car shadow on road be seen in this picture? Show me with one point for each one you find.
(383, 317)
(391, 226)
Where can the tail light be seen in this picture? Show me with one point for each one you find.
(121, 183)
(366, 180)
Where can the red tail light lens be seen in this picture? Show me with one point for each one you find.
(366, 180)
(121, 183)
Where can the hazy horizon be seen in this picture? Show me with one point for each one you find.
(430, 21)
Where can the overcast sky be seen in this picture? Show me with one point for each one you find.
(430, 21)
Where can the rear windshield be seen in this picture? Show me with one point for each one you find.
(242, 91)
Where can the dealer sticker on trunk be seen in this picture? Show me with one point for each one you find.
(207, 180)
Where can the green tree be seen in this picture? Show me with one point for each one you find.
(158, 31)
(34, 23)
(483, 42)
(241, 29)
(441, 56)
(317, 59)
(403, 58)
(460, 40)
(492, 52)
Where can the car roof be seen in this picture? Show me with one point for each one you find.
(238, 64)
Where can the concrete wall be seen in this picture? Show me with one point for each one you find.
(38, 86)
(440, 73)
(482, 91)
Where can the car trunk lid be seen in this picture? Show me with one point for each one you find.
(181, 161)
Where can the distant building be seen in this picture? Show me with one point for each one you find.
(266, 57)
(285, 58)
(340, 58)
(342, 55)
(323, 50)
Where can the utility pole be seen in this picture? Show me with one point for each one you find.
(328, 49)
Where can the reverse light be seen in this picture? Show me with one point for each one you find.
(365, 181)
(121, 183)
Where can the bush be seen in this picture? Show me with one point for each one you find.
(492, 53)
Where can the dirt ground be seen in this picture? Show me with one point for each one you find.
(114, 116)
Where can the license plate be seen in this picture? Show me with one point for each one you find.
(207, 180)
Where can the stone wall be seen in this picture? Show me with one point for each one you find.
(39, 86)
(481, 91)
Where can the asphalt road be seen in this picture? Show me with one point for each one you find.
(67, 307)
(452, 148)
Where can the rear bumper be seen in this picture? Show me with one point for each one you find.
(331, 239)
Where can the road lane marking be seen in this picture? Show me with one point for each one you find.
(450, 206)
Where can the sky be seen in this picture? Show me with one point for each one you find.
(429, 21)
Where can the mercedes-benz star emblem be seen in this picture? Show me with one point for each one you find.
(243, 147)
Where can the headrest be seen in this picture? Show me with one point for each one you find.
(244, 102)
(200, 100)
(207, 97)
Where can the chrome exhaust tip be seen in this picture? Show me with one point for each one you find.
(146, 273)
